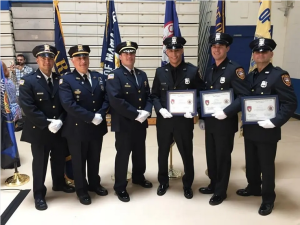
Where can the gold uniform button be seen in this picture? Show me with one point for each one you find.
(140, 99)
(221, 88)
(126, 93)
(54, 107)
(211, 86)
(94, 109)
(93, 101)
(262, 93)
(76, 124)
(252, 90)
(40, 100)
(139, 91)
(174, 87)
(140, 107)
(33, 127)
(92, 94)
(53, 117)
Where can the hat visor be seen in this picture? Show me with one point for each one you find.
(80, 54)
(128, 50)
(219, 42)
(46, 54)
(262, 49)
(177, 46)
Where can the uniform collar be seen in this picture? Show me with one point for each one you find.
(46, 77)
(81, 74)
(222, 64)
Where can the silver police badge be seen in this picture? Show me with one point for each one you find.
(187, 80)
(264, 84)
(222, 80)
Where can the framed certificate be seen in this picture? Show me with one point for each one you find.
(181, 101)
(212, 99)
(257, 108)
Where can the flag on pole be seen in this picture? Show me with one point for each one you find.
(220, 17)
(109, 58)
(263, 25)
(171, 28)
(61, 60)
(9, 148)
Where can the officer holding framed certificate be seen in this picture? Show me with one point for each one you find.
(261, 138)
(175, 77)
(225, 84)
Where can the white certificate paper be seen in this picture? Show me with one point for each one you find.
(213, 100)
(259, 109)
(181, 102)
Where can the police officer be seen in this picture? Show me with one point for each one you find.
(129, 96)
(261, 138)
(176, 75)
(39, 98)
(221, 127)
(83, 96)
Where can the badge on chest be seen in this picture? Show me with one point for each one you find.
(264, 84)
(222, 80)
(187, 80)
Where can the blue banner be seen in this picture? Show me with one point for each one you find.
(9, 148)
(109, 58)
(171, 28)
(61, 60)
(220, 17)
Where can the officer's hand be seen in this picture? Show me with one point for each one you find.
(219, 114)
(188, 115)
(143, 115)
(97, 119)
(55, 125)
(12, 68)
(165, 113)
(202, 124)
(267, 124)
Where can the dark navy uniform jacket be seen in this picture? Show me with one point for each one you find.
(39, 105)
(81, 102)
(187, 78)
(126, 97)
(271, 81)
(227, 75)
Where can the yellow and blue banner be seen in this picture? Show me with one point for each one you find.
(61, 60)
(220, 17)
(109, 58)
(263, 25)
(171, 28)
(9, 149)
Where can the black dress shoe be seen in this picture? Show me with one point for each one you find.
(99, 191)
(265, 209)
(188, 193)
(162, 189)
(65, 188)
(123, 196)
(85, 199)
(145, 183)
(206, 190)
(217, 199)
(246, 192)
(40, 204)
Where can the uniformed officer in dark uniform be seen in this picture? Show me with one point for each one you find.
(129, 97)
(261, 139)
(176, 75)
(39, 98)
(221, 127)
(83, 96)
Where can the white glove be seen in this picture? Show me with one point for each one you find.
(266, 124)
(219, 114)
(97, 119)
(143, 115)
(202, 124)
(188, 115)
(165, 113)
(55, 125)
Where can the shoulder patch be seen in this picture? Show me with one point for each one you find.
(22, 82)
(286, 80)
(61, 81)
(111, 76)
(240, 73)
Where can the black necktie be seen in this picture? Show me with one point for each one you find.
(50, 84)
(132, 72)
(86, 81)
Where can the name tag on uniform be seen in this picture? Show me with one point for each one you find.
(40, 93)
(127, 85)
(77, 92)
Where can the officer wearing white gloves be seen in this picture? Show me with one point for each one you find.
(83, 96)
(176, 75)
(39, 98)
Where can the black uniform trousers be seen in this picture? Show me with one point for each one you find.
(127, 142)
(180, 130)
(85, 153)
(40, 153)
(218, 157)
(260, 159)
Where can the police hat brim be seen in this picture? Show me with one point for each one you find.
(219, 42)
(262, 49)
(46, 54)
(177, 46)
(127, 50)
(80, 54)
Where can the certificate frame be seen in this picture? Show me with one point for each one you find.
(245, 120)
(202, 93)
(194, 100)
